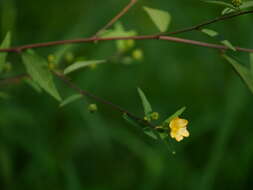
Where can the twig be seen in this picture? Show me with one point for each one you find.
(218, 19)
(117, 17)
(101, 100)
(94, 39)
(13, 80)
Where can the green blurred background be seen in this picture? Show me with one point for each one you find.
(43, 146)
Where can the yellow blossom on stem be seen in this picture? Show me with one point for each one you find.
(178, 128)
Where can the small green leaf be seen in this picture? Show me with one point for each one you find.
(209, 32)
(228, 44)
(160, 18)
(37, 68)
(243, 72)
(71, 99)
(5, 44)
(221, 3)
(145, 103)
(118, 31)
(176, 114)
(81, 64)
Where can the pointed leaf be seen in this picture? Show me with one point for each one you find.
(145, 103)
(176, 114)
(37, 68)
(228, 44)
(219, 38)
(209, 32)
(81, 64)
(160, 18)
(5, 44)
(243, 72)
(71, 99)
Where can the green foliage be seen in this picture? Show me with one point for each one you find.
(81, 64)
(5, 44)
(120, 31)
(37, 68)
(244, 5)
(243, 72)
(145, 103)
(43, 147)
(71, 99)
(219, 38)
(160, 18)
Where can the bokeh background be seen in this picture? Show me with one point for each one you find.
(43, 146)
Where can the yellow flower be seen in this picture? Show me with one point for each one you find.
(178, 128)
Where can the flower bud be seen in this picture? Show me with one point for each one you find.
(92, 108)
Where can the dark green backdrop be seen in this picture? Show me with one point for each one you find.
(44, 147)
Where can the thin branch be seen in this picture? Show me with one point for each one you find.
(217, 19)
(117, 17)
(94, 39)
(13, 80)
(101, 100)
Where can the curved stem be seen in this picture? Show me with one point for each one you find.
(101, 100)
(95, 39)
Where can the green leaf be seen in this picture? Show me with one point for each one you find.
(81, 64)
(145, 103)
(209, 32)
(5, 44)
(71, 99)
(176, 114)
(118, 31)
(37, 68)
(228, 44)
(245, 5)
(219, 38)
(243, 72)
(160, 18)
(221, 3)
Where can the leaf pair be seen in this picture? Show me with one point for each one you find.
(219, 38)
